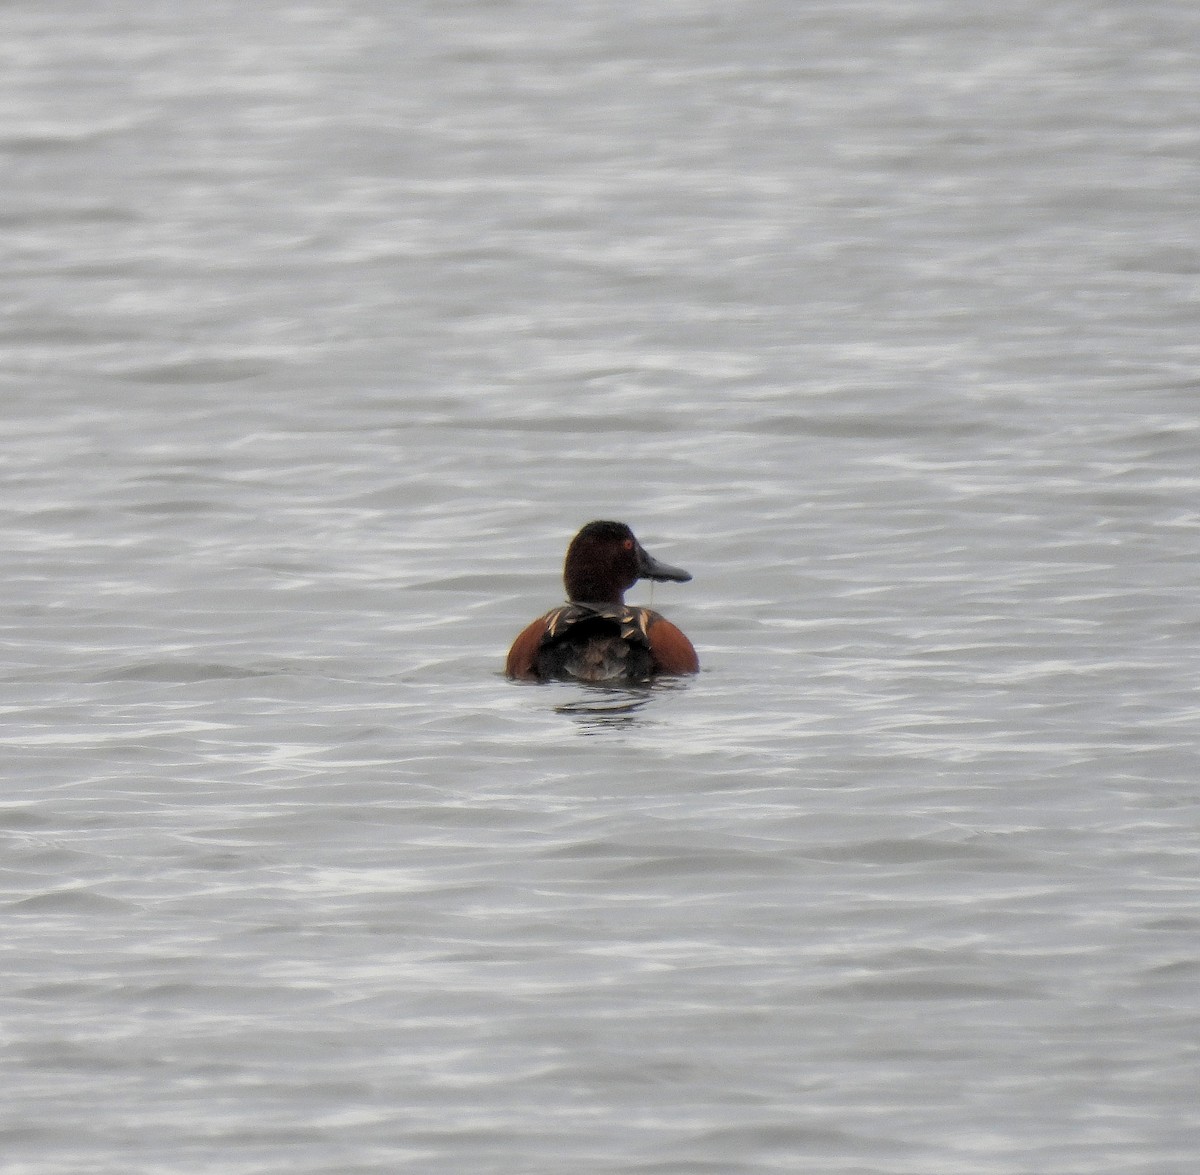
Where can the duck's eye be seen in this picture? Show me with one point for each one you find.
(628, 544)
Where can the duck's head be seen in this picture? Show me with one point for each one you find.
(604, 560)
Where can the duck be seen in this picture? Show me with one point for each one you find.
(595, 636)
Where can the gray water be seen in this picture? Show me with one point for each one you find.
(323, 328)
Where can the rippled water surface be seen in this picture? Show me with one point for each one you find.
(324, 326)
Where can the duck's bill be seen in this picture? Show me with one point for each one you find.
(651, 568)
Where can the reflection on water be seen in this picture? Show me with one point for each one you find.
(606, 708)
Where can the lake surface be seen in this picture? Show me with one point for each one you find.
(322, 329)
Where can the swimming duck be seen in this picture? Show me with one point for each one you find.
(595, 636)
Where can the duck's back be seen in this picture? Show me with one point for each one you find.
(596, 643)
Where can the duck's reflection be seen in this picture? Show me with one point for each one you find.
(602, 709)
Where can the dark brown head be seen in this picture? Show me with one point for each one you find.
(604, 561)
